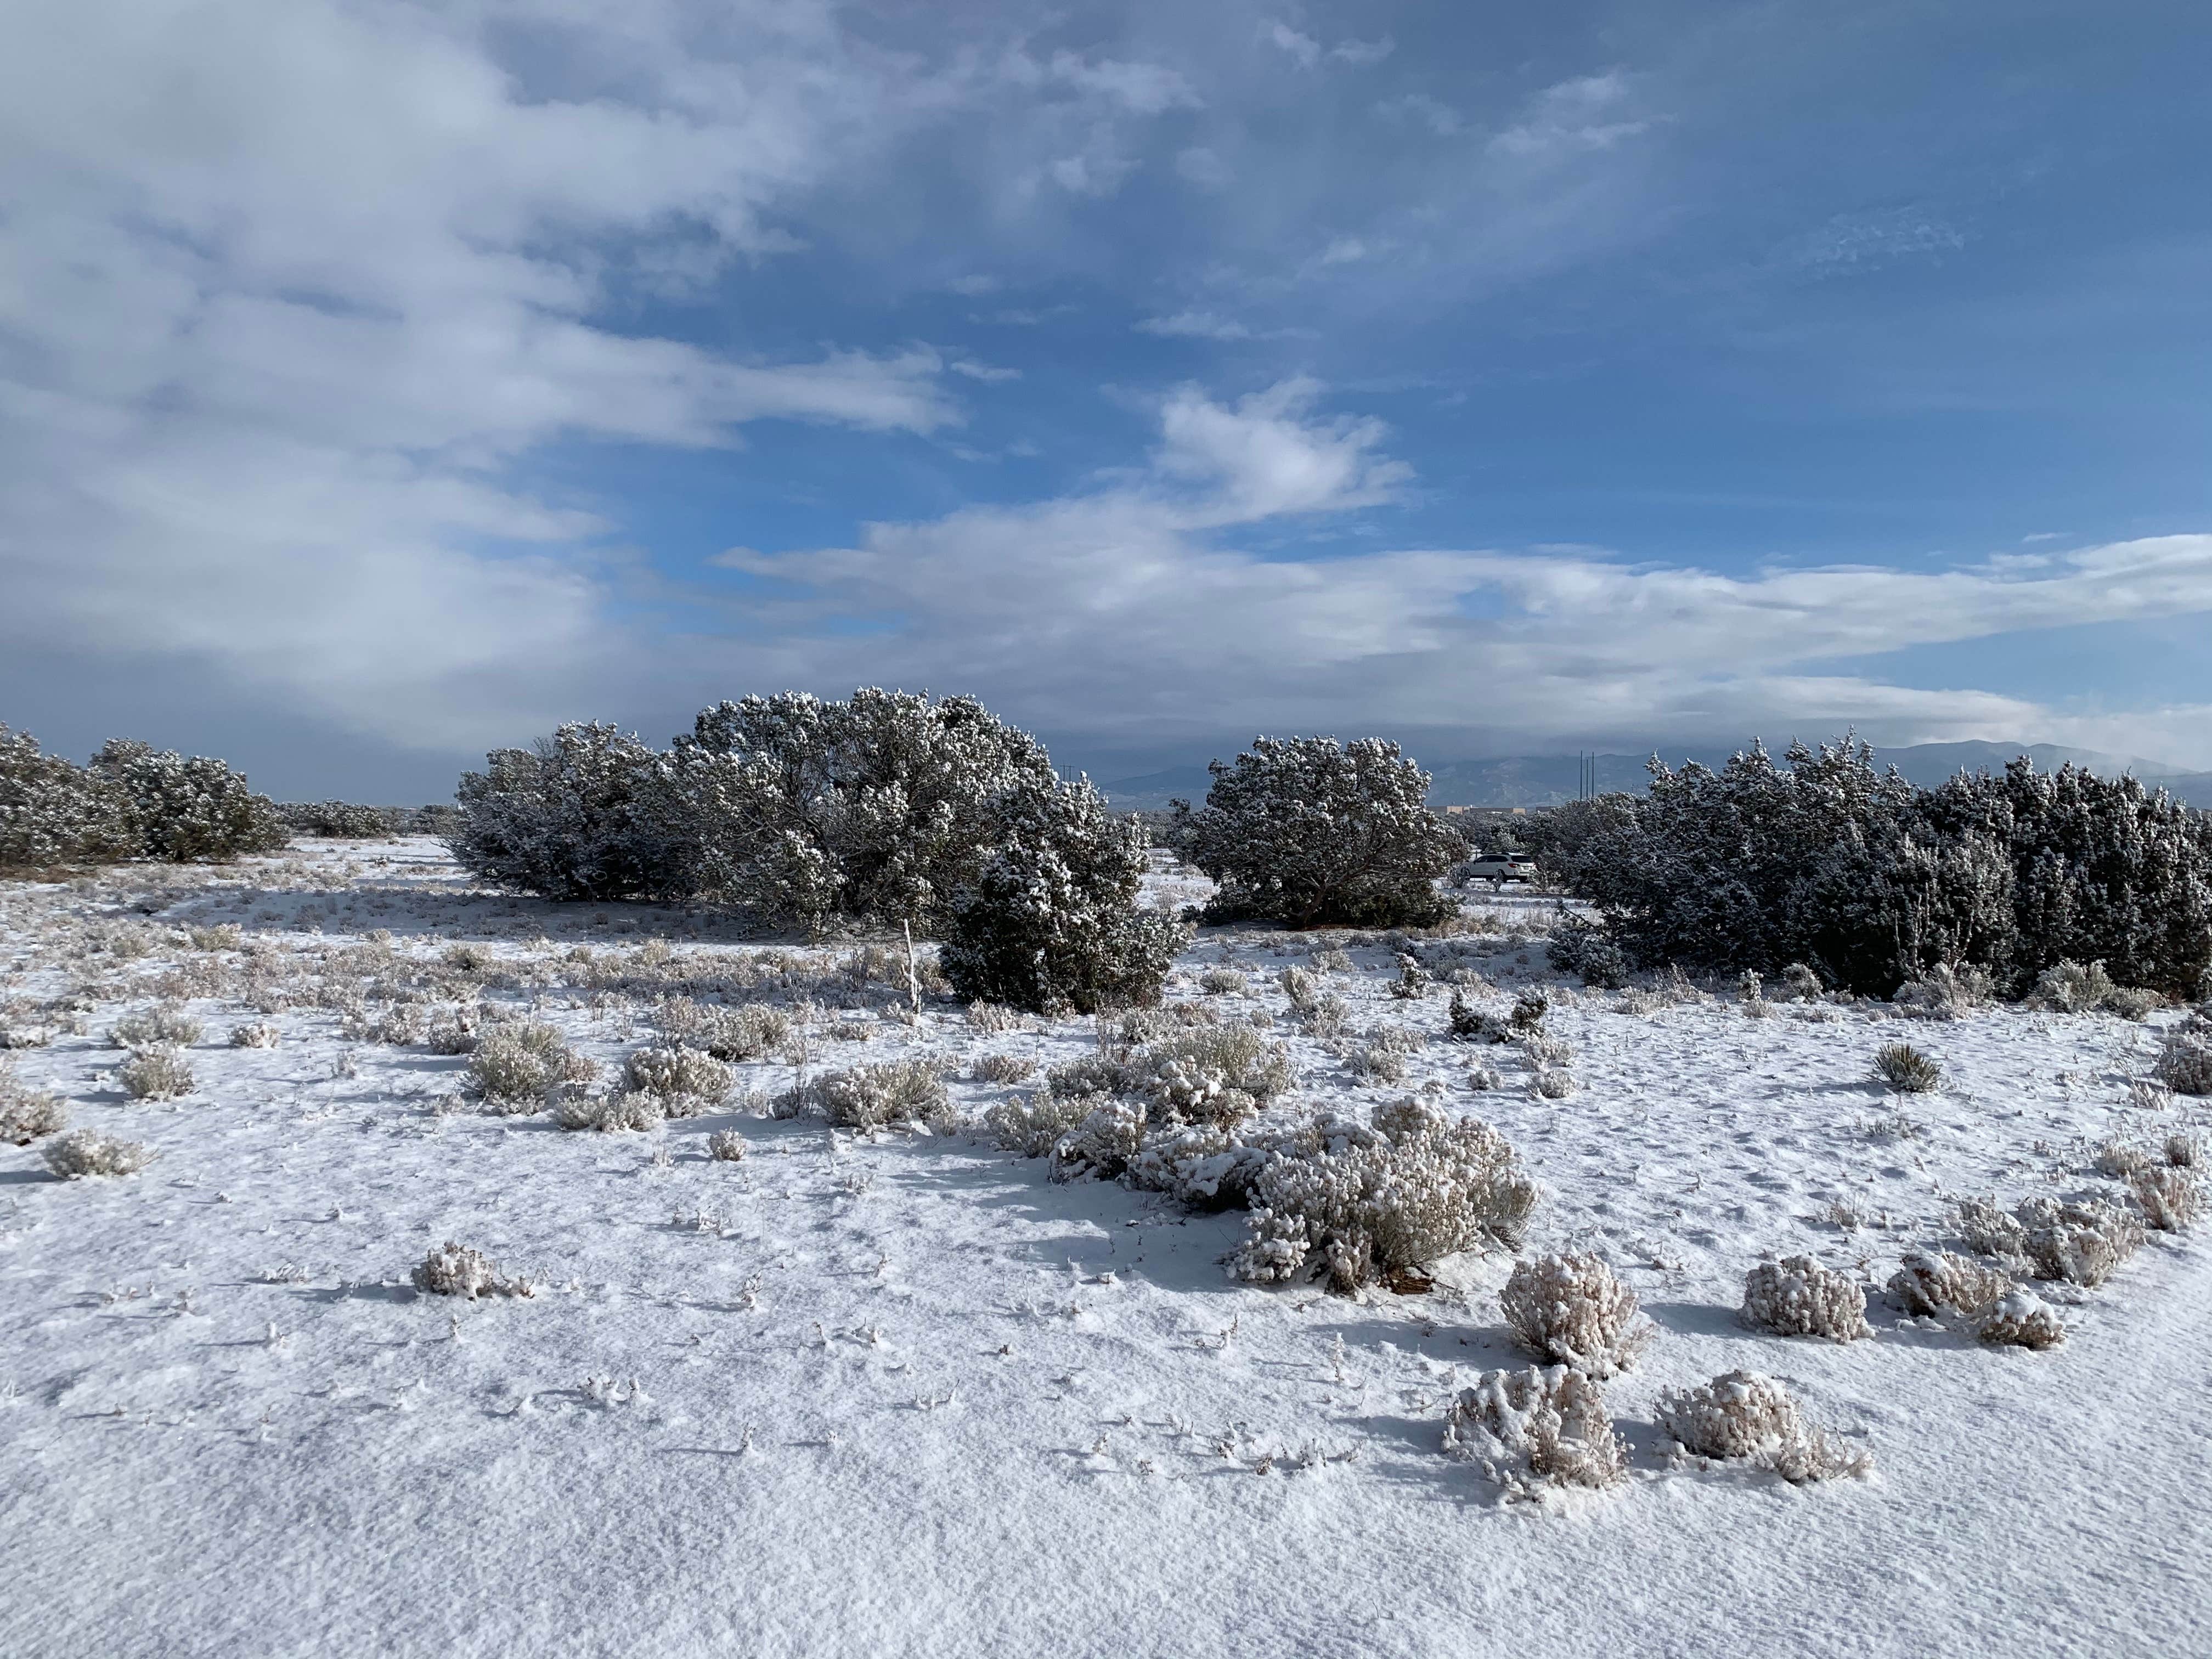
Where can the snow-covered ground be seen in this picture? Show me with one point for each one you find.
(907, 1396)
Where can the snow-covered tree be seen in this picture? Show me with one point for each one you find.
(1313, 833)
(582, 814)
(189, 808)
(53, 811)
(1051, 922)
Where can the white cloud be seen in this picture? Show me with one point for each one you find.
(1572, 118)
(1201, 166)
(1302, 49)
(1194, 325)
(989, 373)
(1360, 53)
(1344, 251)
(1418, 108)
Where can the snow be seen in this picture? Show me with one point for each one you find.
(902, 1394)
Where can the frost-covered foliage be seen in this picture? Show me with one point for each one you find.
(1797, 1297)
(1361, 1206)
(1551, 1083)
(456, 1270)
(2184, 1064)
(582, 814)
(1874, 883)
(1582, 946)
(339, 820)
(2069, 987)
(1901, 1066)
(745, 1032)
(189, 809)
(1051, 920)
(880, 808)
(2020, 1319)
(2171, 1198)
(520, 1063)
(26, 1113)
(455, 1031)
(1935, 1281)
(1744, 1415)
(255, 1033)
(727, 1146)
(163, 1022)
(1003, 1068)
(1572, 1310)
(1309, 832)
(1467, 1024)
(1032, 1125)
(87, 1153)
(2074, 1244)
(1377, 1061)
(1237, 1057)
(1945, 991)
(626, 1109)
(54, 812)
(1537, 1429)
(875, 1097)
(688, 1080)
(155, 1073)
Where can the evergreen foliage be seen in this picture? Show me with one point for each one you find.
(578, 815)
(189, 809)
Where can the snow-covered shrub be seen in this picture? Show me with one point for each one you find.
(1372, 1208)
(2120, 1159)
(2068, 988)
(2171, 1199)
(53, 812)
(2134, 1002)
(1033, 1124)
(258, 1034)
(630, 1108)
(1482, 1077)
(1582, 946)
(1903, 1068)
(2080, 1244)
(1797, 1297)
(1222, 982)
(994, 1018)
(1934, 1281)
(727, 1146)
(522, 1061)
(1050, 921)
(1379, 1062)
(2020, 1319)
(1945, 991)
(873, 1096)
(1467, 1024)
(455, 1031)
(1310, 832)
(163, 1022)
(1103, 1144)
(456, 1270)
(156, 1074)
(1331, 959)
(1241, 1057)
(1199, 1164)
(582, 814)
(87, 1153)
(338, 820)
(1003, 1068)
(683, 1077)
(2184, 1064)
(190, 810)
(2186, 1152)
(1551, 1083)
(1571, 1310)
(1543, 1050)
(745, 1032)
(26, 1113)
(1744, 1415)
(1802, 982)
(1531, 1430)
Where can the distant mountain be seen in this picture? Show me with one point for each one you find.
(1547, 779)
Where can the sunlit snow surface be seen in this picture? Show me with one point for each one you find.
(909, 1396)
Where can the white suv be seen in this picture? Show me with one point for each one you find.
(1499, 867)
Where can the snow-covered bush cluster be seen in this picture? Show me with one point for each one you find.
(1309, 832)
(2020, 1319)
(456, 1270)
(1579, 945)
(910, 1092)
(516, 1066)
(745, 1032)
(582, 814)
(1534, 1429)
(689, 1080)
(26, 1113)
(339, 820)
(1936, 1281)
(156, 1074)
(1572, 1310)
(2171, 1197)
(163, 1022)
(1797, 1297)
(2074, 1244)
(87, 1152)
(1742, 1415)
(132, 801)
(2184, 1064)
(625, 1110)
(1946, 992)
(1874, 884)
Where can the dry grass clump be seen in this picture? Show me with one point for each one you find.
(2020, 1319)
(1742, 1415)
(2171, 1198)
(727, 1146)
(994, 1018)
(1032, 1125)
(87, 1152)
(1222, 982)
(1551, 1083)
(1572, 1310)
(1377, 1061)
(520, 1063)
(685, 1077)
(26, 1113)
(1797, 1297)
(456, 1270)
(2184, 1064)
(626, 1110)
(2120, 1159)
(1537, 1430)
(745, 1032)
(2082, 1243)
(1903, 1068)
(156, 1074)
(1383, 1205)
(1930, 1282)
(163, 1025)
(258, 1034)
(1003, 1068)
(874, 1097)
(1945, 991)
(2186, 1152)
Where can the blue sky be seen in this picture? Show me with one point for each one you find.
(381, 383)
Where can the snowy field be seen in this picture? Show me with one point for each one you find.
(905, 1395)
